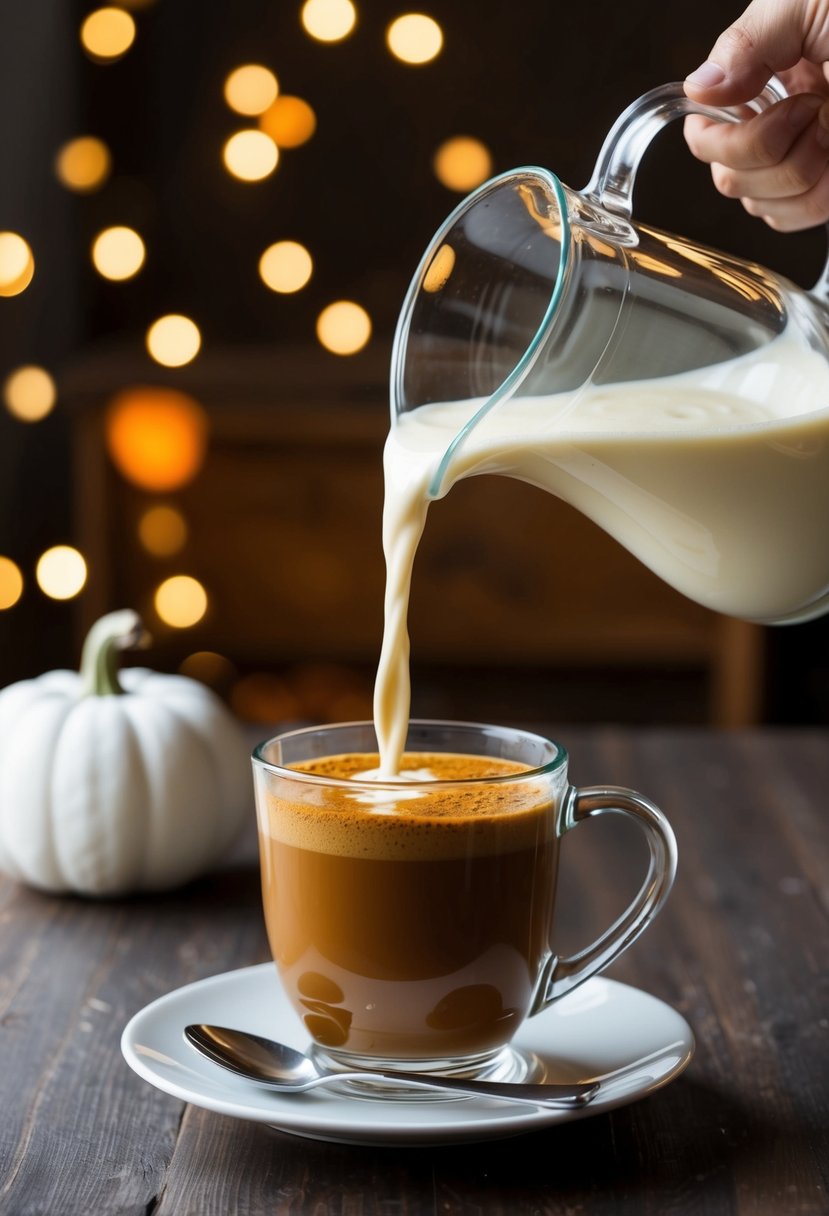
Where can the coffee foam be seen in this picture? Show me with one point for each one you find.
(382, 820)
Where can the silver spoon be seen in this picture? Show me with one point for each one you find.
(285, 1069)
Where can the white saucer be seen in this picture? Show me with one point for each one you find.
(607, 1031)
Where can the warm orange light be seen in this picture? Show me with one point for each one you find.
(118, 253)
(173, 340)
(439, 269)
(83, 164)
(286, 267)
(250, 89)
(462, 163)
(208, 667)
(156, 437)
(328, 20)
(61, 572)
(250, 155)
(343, 327)
(107, 34)
(162, 531)
(181, 601)
(290, 121)
(29, 393)
(17, 264)
(414, 38)
(11, 583)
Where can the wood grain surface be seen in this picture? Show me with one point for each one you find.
(742, 950)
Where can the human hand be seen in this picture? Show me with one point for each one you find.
(776, 162)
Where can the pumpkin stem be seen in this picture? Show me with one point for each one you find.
(99, 660)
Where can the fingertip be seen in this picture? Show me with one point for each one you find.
(708, 75)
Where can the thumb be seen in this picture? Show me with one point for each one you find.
(769, 37)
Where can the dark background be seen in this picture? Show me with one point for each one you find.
(537, 82)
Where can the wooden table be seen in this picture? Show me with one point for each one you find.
(742, 949)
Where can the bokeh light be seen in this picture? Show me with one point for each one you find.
(61, 572)
(29, 393)
(162, 530)
(173, 340)
(180, 601)
(414, 38)
(286, 266)
(208, 667)
(156, 437)
(83, 164)
(462, 163)
(118, 253)
(250, 155)
(251, 88)
(328, 20)
(343, 327)
(17, 264)
(11, 583)
(107, 33)
(290, 121)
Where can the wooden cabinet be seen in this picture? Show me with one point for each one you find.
(284, 532)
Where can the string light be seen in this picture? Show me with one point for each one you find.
(343, 327)
(29, 393)
(414, 38)
(328, 20)
(107, 34)
(17, 264)
(462, 163)
(286, 266)
(118, 253)
(181, 601)
(61, 572)
(156, 437)
(250, 89)
(290, 122)
(173, 340)
(250, 155)
(83, 164)
(11, 583)
(162, 531)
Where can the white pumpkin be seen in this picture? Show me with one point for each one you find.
(117, 782)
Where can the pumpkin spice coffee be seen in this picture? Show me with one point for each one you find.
(411, 919)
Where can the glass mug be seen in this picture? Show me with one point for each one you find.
(411, 920)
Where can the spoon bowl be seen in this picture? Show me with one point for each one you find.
(283, 1068)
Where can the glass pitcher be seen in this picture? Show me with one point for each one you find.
(676, 395)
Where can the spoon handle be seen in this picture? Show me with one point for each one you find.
(563, 1096)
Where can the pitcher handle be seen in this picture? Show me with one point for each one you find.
(563, 974)
(627, 140)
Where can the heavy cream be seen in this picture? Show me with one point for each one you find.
(717, 479)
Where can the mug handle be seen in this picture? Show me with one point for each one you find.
(563, 974)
